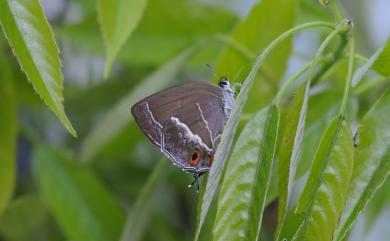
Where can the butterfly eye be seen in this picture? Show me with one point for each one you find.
(210, 160)
(195, 158)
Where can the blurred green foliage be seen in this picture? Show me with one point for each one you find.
(111, 183)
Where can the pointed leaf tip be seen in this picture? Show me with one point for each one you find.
(117, 21)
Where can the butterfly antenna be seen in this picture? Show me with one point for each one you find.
(212, 70)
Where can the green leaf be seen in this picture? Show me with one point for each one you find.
(8, 130)
(24, 219)
(382, 63)
(140, 214)
(244, 189)
(360, 72)
(372, 162)
(117, 21)
(323, 197)
(377, 205)
(289, 151)
(119, 116)
(32, 41)
(82, 206)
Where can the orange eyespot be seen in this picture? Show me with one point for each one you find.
(195, 158)
(210, 160)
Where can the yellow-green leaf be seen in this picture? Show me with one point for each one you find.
(289, 151)
(139, 215)
(117, 20)
(32, 41)
(373, 60)
(323, 197)
(382, 63)
(244, 189)
(25, 219)
(371, 165)
(81, 205)
(8, 132)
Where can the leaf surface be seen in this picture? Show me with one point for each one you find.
(81, 205)
(244, 189)
(139, 215)
(117, 21)
(323, 197)
(167, 28)
(289, 151)
(362, 70)
(382, 63)
(8, 133)
(371, 164)
(32, 42)
(24, 219)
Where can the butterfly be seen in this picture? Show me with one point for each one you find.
(186, 122)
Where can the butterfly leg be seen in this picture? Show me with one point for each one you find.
(235, 85)
(196, 175)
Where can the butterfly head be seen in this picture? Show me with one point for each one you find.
(224, 83)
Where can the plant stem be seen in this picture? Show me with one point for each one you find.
(349, 76)
(343, 27)
(336, 56)
(369, 84)
(336, 11)
(360, 58)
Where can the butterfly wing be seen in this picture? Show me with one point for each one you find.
(183, 119)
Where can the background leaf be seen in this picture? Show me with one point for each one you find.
(167, 28)
(26, 219)
(382, 63)
(32, 41)
(8, 130)
(117, 21)
(361, 71)
(72, 192)
(371, 165)
(139, 215)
